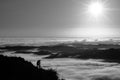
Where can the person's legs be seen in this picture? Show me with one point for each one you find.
(39, 66)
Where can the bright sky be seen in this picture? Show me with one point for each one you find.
(59, 18)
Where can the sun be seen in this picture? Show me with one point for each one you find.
(95, 16)
(96, 9)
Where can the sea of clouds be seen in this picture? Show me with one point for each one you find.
(67, 68)
(76, 69)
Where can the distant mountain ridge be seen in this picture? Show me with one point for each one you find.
(108, 52)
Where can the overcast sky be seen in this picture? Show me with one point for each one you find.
(58, 18)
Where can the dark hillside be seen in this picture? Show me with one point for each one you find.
(13, 68)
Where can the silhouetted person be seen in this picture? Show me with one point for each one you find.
(39, 64)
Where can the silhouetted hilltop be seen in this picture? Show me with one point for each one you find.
(112, 55)
(25, 50)
(108, 52)
(60, 48)
(17, 48)
(16, 68)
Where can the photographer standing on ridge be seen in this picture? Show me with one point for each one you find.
(38, 64)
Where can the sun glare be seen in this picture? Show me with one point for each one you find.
(92, 32)
(96, 32)
(96, 9)
(96, 16)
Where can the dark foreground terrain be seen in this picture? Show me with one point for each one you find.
(16, 68)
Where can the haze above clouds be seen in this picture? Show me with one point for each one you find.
(58, 18)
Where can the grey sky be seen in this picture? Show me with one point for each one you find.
(57, 18)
